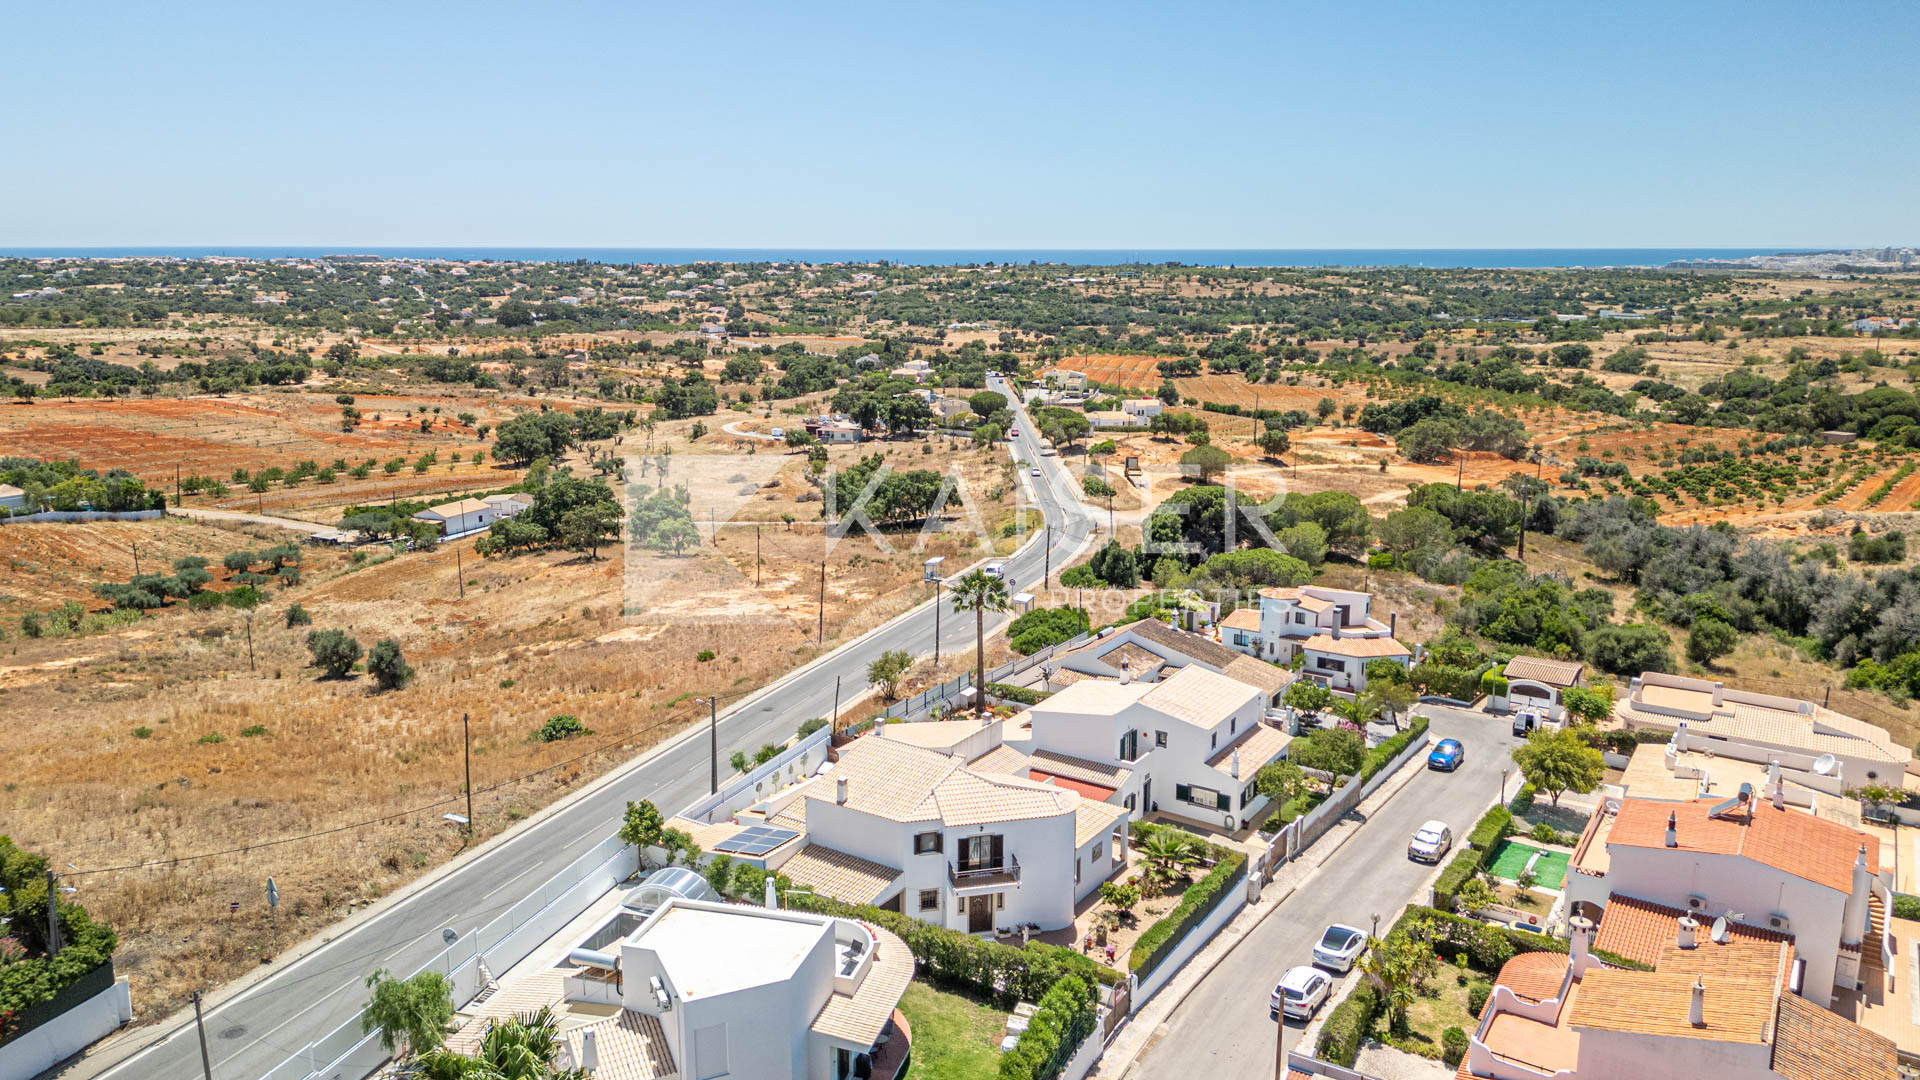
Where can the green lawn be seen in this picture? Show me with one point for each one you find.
(955, 1037)
(1441, 1006)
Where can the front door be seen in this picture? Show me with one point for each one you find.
(1146, 797)
(979, 914)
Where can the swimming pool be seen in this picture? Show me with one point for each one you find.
(1512, 856)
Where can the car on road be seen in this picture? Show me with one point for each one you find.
(1033, 472)
(778, 433)
(1447, 755)
(1339, 947)
(1300, 993)
(1430, 843)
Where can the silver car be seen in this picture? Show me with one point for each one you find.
(1339, 947)
(1431, 843)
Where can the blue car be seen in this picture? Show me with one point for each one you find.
(1447, 754)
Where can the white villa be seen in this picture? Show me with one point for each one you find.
(1334, 628)
(1150, 650)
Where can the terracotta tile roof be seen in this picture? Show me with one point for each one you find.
(1742, 982)
(791, 816)
(1132, 658)
(1199, 697)
(518, 994)
(898, 782)
(1538, 669)
(1535, 976)
(1810, 1043)
(1258, 673)
(834, 873)
(1789, 840)
(458, 507)
(1203, 649)
(1368, 648)
(1002, 759)
(1245, 618)
(1638, 929)
(941, 735)
(861, 1016)
(1315, 604)
(630, 1046)
(1093, 819)
(1258, 745)
(1075, 768)
(1281, 592)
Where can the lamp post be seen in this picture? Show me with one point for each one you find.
(936, 621)
(1503, 785)
(713, 743)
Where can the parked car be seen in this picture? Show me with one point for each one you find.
(1339, 947)
(1300, 994)
(778, 433)
(1431, 843)
(1447, 755)
(1525, 722)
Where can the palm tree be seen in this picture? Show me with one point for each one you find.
(1396, 967)
(1169, 852)
(980, 592)
(522, 1048)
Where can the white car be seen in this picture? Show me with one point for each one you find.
(1339, 947)
(778, 433)
(1300, 994)
(1431, 843)
(1033, 472)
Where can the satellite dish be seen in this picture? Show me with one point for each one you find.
(1720, 930)
(1823, 765)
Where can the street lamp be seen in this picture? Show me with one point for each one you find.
(1503, 785)
(713, 743)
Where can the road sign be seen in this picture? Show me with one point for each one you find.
(273, 894)
(233, 907)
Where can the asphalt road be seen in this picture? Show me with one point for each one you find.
(1221, 1031)
(261, 1024)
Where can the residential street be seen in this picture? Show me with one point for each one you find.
(256, 1027)
(1221, 1031)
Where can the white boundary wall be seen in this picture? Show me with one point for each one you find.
(67, 1034)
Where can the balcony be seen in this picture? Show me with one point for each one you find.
(985, 877)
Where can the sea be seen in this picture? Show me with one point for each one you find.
(1447, 258)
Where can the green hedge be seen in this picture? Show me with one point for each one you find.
(38, 978)
(1622, 741)
(1905, 906)
(1493, 683)
(1023, 695)
(1491, 829)
(1486, 946)
(1378, 757)
(1522, 800)
(1195, 904)
(1065, 1016)
(1464, 865)
(1000, 973)
(1347, 1024)
(1453, 1043)
(1614, 959)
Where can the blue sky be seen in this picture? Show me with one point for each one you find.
(962, 125)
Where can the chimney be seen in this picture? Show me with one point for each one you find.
(1697, 1009)
(1689, 927)
(1579, 940)
(880, 728)
(589, 1050)
(1336, 627)
(1126, 672)
(772, 895)
(1236, 770)
(840, 792)
(1673, 822)
(1393, 624)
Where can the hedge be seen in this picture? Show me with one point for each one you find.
(1522, 800)
(1464, 865)
(1195, 905)
(1491, 829)
(1347, 1024)
(1065, 1016)
(1023, 695)
(1486, 946)
(1453, 1047)
(1493, 683)
(1905, 906)
(1622, 741)
(1379, 757)
(1001, 973)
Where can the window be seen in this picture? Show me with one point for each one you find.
(1201, 796)
(926, 843)
(929, 899)
(1213, 740)
(1076, 869)
(710, 1052)
(1233, 724)
(1329, 664)
(983, 852)
(1099, 849)
(1160, 738)
(1130, 746)
(1129, 804)
(1246, 796)
(1000, 901)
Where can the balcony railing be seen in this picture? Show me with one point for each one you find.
(1007, 873)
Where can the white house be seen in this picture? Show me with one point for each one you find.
(1710, 1006)
(509, 504)
(12, 498)
(1149, 650)
(1758, 862)
(1341, 662)
(464, 516)
(1189, 745)
(1142, 409)
(916, 369)
(1536, 684)
(975, 846)
(1289, 616)
(1834, 749)
(711, 990)
(836, 431)
(1066, 379)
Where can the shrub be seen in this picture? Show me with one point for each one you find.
(1065, 1016)
(1022, 695)
(388, 666)
(212, 737)
(1464, 865)
(1905, 906)
(297, 616)
(562, 726)
(1042, 627)
(334, 651)
(145, 732)
(1195, 904)
(1491, 829)
(1453, 1043)
(811, 726)
(1478, 991)
(1522, 800)
(253, 731)
(1347, 1024)
(1487, 947)
(704, 655)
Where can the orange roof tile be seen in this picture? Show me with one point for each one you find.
(1789, 840)
(1535, 976)
(1245, 618)
(1356, 646)
(1638, 929)
(1742, 981)
(1810, 1043)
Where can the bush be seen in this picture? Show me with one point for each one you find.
(1021, 695)
(297, 616)
(1347, 1024)
(560, 727)
(334, 651)
(1195, 904)
(1522, 800)
(811, 726)
(1453, 1044)
(1905, 906)
(1464, 865)
(1042, 627)
(1478, 991)
(1065, 1016)
(1491, 829)
(1487, 947)
(388, 666)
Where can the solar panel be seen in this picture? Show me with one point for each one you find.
(755, 840)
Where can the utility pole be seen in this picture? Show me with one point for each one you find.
(176, 483)
(1524, 492)
(466, 742)
(458, 572)
(756, 556)
(136, 560)
(1046, 577)
(53, 915)
(834, 724)
(713, 744)
(1460, 456)
(936, 622)
(206, 1060)
(821, 633)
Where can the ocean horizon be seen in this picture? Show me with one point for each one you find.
(1436, 258)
